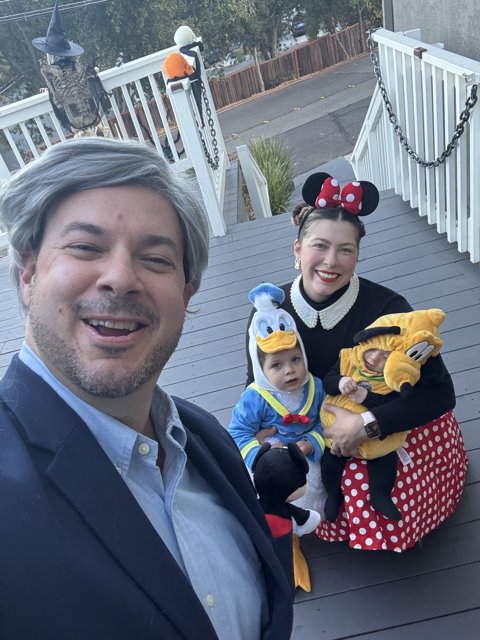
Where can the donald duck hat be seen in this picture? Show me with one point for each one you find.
(271, 330)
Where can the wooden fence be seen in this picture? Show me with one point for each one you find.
(307, 58)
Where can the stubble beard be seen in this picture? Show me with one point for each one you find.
(118, 381)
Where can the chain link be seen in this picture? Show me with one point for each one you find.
(214, 163)
(459, 129)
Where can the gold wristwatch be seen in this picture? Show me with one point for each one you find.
(370, 424)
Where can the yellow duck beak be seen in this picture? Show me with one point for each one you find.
(277, 341)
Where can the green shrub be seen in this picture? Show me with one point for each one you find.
(284, 76)
(275, 162)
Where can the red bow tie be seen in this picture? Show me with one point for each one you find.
(349, 199)
(296, 417)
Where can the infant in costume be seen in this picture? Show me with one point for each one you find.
(385, 362)
(283, 395)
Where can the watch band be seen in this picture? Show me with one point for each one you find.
(370, 424)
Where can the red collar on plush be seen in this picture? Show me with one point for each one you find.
(350, 198)
(296, 417)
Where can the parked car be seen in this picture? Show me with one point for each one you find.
(230, 59)
(212, 57)
(299, 27)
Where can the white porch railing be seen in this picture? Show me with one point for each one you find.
(428, 95)
(204, 145)
(137, 110)
(256, 183)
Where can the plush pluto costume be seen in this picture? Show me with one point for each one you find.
(412, 338)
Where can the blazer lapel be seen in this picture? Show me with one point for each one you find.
(83, 473)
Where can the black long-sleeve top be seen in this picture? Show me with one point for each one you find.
(431, 397)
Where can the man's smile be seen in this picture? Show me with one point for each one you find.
(115, 327)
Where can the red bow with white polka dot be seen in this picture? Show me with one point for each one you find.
(349, 198)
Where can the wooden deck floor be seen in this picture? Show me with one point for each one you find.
(432, 592)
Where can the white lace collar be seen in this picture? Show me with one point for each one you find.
(330, 316)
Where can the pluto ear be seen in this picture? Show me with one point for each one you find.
(370, 198)
(373, 332)
(312, 187)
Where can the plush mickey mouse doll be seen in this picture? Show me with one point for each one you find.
(280, 476)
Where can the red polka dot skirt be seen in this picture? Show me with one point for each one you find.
(427, 491)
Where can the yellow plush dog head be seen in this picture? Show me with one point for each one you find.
(412, 337)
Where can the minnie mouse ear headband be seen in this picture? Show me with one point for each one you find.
(321, 191)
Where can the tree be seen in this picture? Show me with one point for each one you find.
(267, 24)
(217, 21)
(136, 28)
(331, 15)
(142, 27)
(18, 58)
(256, 23)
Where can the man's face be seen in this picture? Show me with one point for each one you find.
(106, 293)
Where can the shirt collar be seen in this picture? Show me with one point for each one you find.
(115, 437)
(328, 316)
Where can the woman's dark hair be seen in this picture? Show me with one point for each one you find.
(304, 216)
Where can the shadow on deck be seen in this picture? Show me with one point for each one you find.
(428, 592)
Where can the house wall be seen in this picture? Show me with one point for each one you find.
(456, 23)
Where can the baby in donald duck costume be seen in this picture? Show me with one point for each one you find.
(284, 394)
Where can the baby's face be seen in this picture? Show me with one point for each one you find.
(375, 359)
(285, 370)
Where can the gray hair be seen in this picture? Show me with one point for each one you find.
(28, 197)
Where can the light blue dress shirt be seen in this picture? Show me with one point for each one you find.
(206, 540)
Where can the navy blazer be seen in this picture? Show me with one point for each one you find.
(79, 560)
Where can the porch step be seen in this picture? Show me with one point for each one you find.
(404, 252)
(230, 201)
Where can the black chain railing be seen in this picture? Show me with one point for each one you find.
(459, 129)
(215, 161)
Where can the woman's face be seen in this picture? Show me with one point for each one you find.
(328, 255)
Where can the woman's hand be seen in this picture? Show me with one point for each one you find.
(347, 431)
(265, 433)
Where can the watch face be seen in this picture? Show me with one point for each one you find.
(372, 430)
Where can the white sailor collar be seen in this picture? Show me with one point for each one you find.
(331, 315)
